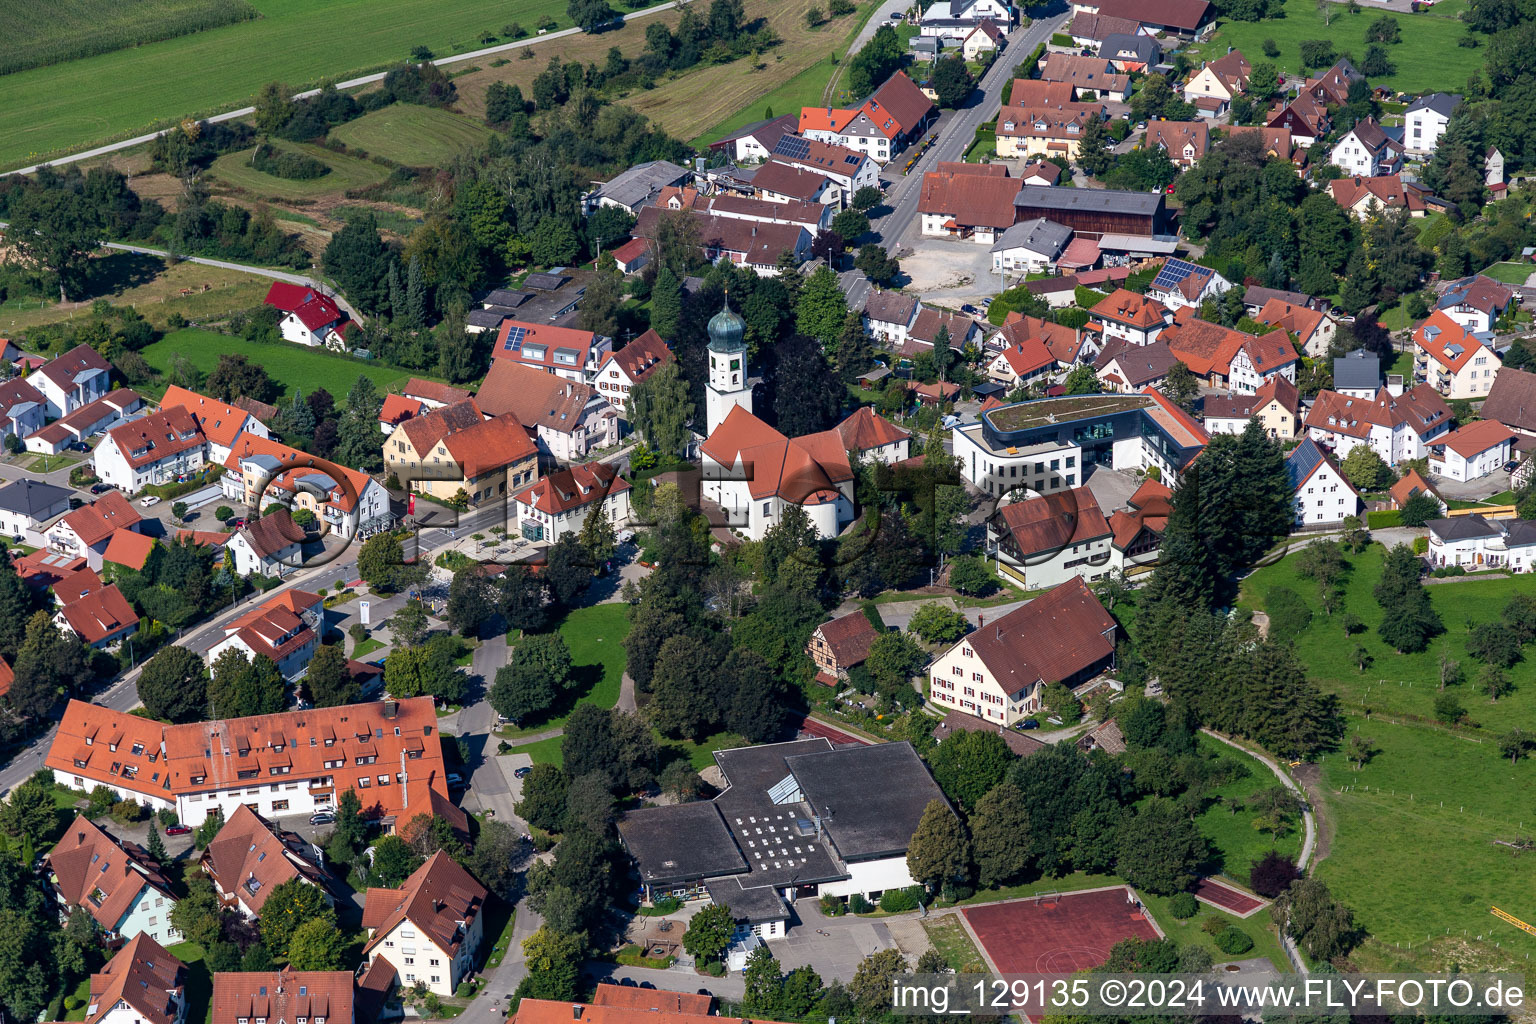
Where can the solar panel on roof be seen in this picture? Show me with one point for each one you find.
(793, 146)
(514, 340)
(1173, 272)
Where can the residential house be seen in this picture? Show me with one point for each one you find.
(1397, 427)
(630, 365)
(1411, 485)
(1475, 450)
(129, 549)
(260, 471)
(220, 422)
(1132, 318)
(285, 629)
(22, 409)
(1478, 543)
(1256, 297)
(1453, 360)
(841, 644)
(416, 453)
(101, 617)
(142, 984)
(1212, 88)
(1364, 196)
(953, 20)
(1512, 400)
(1224, 357)
(1089, 29)
(250, 856)
(396, 410)
(1426, 120)
(27, 506)
(1273, 142)
(746, 243)
(780, 183)
(86, 531)
(1030, 246)
(1304, 119)
(1068, 345)
(999, 672)
(563, 351)
(430, 929)
(1191, 19)
(813, 217)
(1366, 151)
(74, 379)
(975, 206)
(560, 502)
(753, 142)
(1332, 86)
(309, 317)
(267, 546)
(1184, 141)
(1138, 528)
(1046, 540)
(85, 422)
(1044, 129)
(1128, 368)
(637, 186)
(984, 38)
(1024, 362)
(1091, 78)
(432, 394)
(1357, 374)
(160, 448)
(1180, 283)
(870, 437)
(753, 473)
(894, 115)
(1477, 302)
(114, 881)
(1276, 405)
(1313, 330)
(888, 316)
(389, 752)
(1042, 172)
(851, 169)
(283, 996)
(567, 421)
(1021, 744)
(1129, 52)
(925, 330)
(1493, 169)
(1323, 495)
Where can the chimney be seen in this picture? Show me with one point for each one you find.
(981, 620)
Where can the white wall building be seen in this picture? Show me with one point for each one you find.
(1323, 495)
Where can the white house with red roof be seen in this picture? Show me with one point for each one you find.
(563, 351)
(286, 629)
(896, 114)
(1027, 361)
(114, 881)
(262, 471)
(101, 617)
(86, 531)
(221, 422)
(86, 421)
(871, 437)
(142, 984)
(22, 408)
(76, 378)
(1452, 359)
(310, 317)
(620, 371)
(560, 502)
(1476, 302)
(1045, 540)
(753, 473)
(1130, 317)
(430, 929)
(160, 448)
(1396, 427)
(1466, 453)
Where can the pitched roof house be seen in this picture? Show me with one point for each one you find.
(436, 910)
(284, 995)
(113, 880)
(562, 351)
(1212, 87)
(1397, 428)
(1314, 330)
(285, 629)
(1512, 400)
(630, 365)
(309, 317)
(839, 644)
(86, 531)
(1130, 317)
(142, 981)
(76, 378)
(163, 447)
(752, 472)
(1094, 75)
(1183, 141)
(1129, 368)
(1453, 359)
(1322, 494)
(1466, 453)
(1367, 151)
(250, 856)
(267, 545)
(978, 206)
(560, 502)
(567, 420)
(1362, 196)
(1476, 302)
(262, 471)
(220, 422)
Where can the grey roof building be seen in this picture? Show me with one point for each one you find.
(1039, 235)
(1357, 372)
(30, 503)
(637, 186)
(1121, 45)
(1443, 103)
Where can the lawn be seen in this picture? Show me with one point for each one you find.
(290, 365)
(410, 134)
(954, 944)
(366, 648)
(1510, 273)
(1427, 58)
(543, 751)
(347, 172)
(199, 981)
(1234, 834)
(595, 637)
(48, 110)
(82, 993)
(1431, 802)
(1402, 364)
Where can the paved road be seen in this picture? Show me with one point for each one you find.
(1308, 820)
(956, 131)
(350, 83)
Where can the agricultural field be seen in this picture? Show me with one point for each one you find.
(290, 365)
(195, 291)
(50, 110)
(413, 135)
(1428, 57)
(40, 34)
(235, 170)
(1432, 800)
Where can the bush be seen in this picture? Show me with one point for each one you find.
(1183, 906)
(1384, 518)
(831, 906)
(1212, 925)
(667, 904)
(1420, 545)
(1288, 613)
(898, 901)
(1234, 941)
(293, 166)
(859, 905)
(129, 811)
(1273, 875)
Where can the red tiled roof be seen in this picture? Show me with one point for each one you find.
(272, 532)
(88, 860)
(203, 538)
(825, 119)
(849, 636)
(1421, 409)
(898, 106)
(865, 429)
(784, 180)
(129, 549)
(97, 521)
(312, 308)
(534, 398)
(1204, 347)
(1052, 521)
(490, 445)
(1033, 92)
(1173, 136)
(44, 568)
(1388, 190)
(430, 427)
(1512, 399)
(546, 337)
(1271, 140)
(160, 435)
(398, 408)
(248, 859)
(1052, 638)
(958, 721)
(573, 487)
(300, 467)
(144, 975)
(1270, 352)
(100, 615)
(1064, 342)
(1184, 15)
(1409, 485)
(630, 251)
(282, 995)
(16, 391)
(802, 470)
(1028, 357)
(80, 359)
(654, 1000)
(437, 899)
(1095, 73)
(1126, 307)
(221, 422)
(433, 391)
(1280, 390)
(1476, 437)
(1449, 343)
(643, 356)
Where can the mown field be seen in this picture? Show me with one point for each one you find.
(38, 34)
(48, 110)
(1232, 833)
(195, 291)
(289, 365)
(1412, 832)
(1428, 57)
(235, 170)
(413, 135)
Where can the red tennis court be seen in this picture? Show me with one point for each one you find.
(1228, 898)
(1058, 934)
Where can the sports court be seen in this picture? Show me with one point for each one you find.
(1060, 932)
(1229, 898)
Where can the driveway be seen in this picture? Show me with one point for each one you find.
(832, 945)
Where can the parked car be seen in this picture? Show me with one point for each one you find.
(1029, 723)
(455, 779)
(968, 308)
(101, 488)
(522, 772)
(178, 830)
(78, 446)
(322, 818)
(237, 523)
(149, 499)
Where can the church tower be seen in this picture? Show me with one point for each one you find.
(728, 385)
